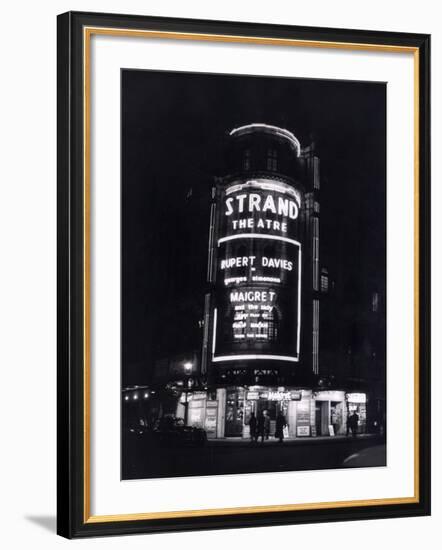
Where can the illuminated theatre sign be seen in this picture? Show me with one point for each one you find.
(257, 314)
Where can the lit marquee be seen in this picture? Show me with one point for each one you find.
(258, 272)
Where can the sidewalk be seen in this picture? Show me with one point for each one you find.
(239, 441)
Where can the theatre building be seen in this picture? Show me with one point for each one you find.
(261, 341)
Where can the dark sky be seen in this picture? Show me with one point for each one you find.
(174, 127)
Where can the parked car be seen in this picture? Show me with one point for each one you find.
(172, 431)
(138, 430)
(138, 439)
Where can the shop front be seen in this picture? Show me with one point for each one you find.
(330, 413)
(202, 411)
(357, 404)
(226, 412)
(274, 400)
(192, 408)
(235, 406)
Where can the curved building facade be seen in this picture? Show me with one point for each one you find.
(261, 259)
(257, 252)
(261, 340)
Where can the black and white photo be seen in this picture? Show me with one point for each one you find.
(253, 274)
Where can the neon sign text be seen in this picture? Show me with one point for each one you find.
(249, 261)
(253, 202)
(252, 296)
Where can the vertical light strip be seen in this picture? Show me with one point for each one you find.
(315, 350)
(211, 230)
(316, 180)
(313, 339)
(206, 332)
(315, 258)
(215, 319)
(298, 340)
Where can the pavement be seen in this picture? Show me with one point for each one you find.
(237, 455)
(240, 441)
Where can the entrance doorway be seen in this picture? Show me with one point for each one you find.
(318, 417)
(234, 412)
(273, 408)
(269, 406)
(336, 416)
(322, 417)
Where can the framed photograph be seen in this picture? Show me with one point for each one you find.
(243, 274)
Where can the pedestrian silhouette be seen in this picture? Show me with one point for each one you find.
(352, 422)
(266, 424)
(260, 427)
(252, 426)
(280, 425)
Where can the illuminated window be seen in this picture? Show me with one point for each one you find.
(316, 181)
(324, 280)
(315, 255)
(315, 350)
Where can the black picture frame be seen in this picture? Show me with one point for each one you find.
(74, 519)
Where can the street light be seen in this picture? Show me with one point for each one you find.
(188, 367)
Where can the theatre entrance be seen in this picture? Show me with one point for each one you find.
(272, 407)
(234, 412)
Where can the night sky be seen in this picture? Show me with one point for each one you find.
(174, 128)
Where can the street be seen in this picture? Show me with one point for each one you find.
(144, 459)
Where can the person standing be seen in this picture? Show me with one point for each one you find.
(280, 425)
(260, 427)
(252, 426)
(266, 424)
(334, 420)
(353, 423)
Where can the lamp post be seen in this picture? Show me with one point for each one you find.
(188, 367)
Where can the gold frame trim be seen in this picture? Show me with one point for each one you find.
(87, 34)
